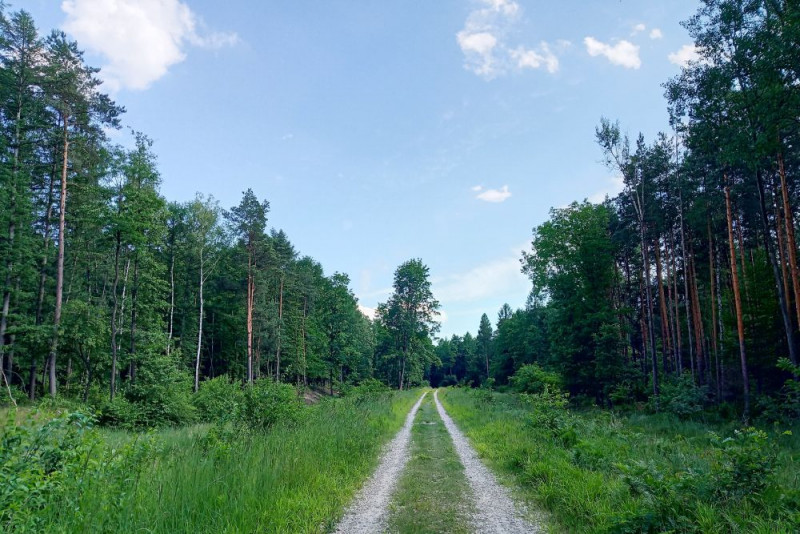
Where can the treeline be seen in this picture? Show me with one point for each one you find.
(691, 271)
(112, 293)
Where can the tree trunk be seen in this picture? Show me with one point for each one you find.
(676, 305)
(114, 311)
(698, 322)
(686, 286)
(280, 332)
(134, 294)
(12, 228)
(776, 273)
(250, 293)
(60, 269)
(738, 303)
(171, 299)
(199, 328)
(779, 229)
(662, 300)
(711, 282)
(791, 244)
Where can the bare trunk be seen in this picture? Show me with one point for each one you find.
(60, 269)
(677, 312)
(114, 311)
(738, 303)
(686, 288)
(134, 294)
(791, 244)
(779, 229)
(698, 324)
(280, 332)
(662, 300)
(199, 329)
(711, 282)
(171, 301)
(250, 293)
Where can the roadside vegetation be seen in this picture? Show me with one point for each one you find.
(603, 471)
(294, 474)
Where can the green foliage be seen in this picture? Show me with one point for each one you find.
(595, 471)
(217, 399)
(683, 397)
(266, 403)
(533, 379)
(46, 471)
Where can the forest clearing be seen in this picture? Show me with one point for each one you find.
(170, 361)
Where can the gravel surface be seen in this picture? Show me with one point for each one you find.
(369, 511)
(496, 512)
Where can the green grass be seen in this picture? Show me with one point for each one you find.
(596, 471)
(293, 478)
(433, 494)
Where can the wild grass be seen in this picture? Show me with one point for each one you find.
(292, 478)
(597, 471)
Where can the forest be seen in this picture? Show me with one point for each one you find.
(149, 344)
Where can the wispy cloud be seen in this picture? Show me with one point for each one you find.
(639, 28)
(141, 39)
(656, 33)
(490, 279)
(612, 187)
(483, 42)
(684, 55)
(623, 53)
(494, 195)
(476, 188)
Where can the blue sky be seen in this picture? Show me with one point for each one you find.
(384, 131)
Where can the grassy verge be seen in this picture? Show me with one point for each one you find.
(433, 494)
(600, 472)
(295, 478)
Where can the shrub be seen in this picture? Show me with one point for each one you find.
(533, 379)
(216, 400)
(743, 463)
(266, 403)
(683, 397)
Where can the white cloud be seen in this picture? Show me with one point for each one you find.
(614, 185)
(141, 39)
(683, 56)
(656, 33)
(483, 42)
(495, 195)
(369, 312)
(478, 48)
(639, 28)
(497, 277)
(476, 188)
(533, 59)
(624, 53)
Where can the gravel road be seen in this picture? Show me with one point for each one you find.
(370, 509)
(496, 511)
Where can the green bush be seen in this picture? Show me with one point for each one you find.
(743, 463)
(216, 400)
(682, 397)
(533, 379)
(47, 469)
(266, 403)
(159, 396)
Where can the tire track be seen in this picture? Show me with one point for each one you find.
(496, 511)
(369, 511)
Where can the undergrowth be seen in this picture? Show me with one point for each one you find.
(597, 471)
(291, 475)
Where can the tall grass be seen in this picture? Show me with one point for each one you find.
(597, 471)
(293, 478)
